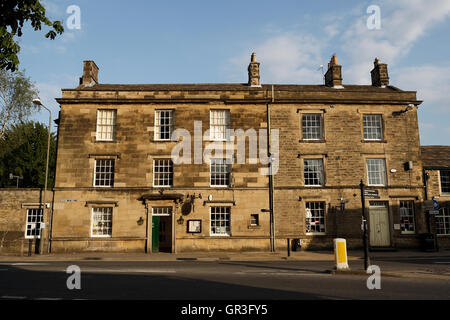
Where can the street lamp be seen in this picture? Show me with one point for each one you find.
(38, 102)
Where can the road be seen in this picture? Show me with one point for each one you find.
(428, 278)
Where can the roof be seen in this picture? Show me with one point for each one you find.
(435, 156)
(230, 87)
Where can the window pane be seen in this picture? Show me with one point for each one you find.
(104, 172)
(34, 219)
(312, 126)
(220, 220)
(313, 172)
(407, 216)
(445, 181)
(442, 222)
(102, 221)
(372, 125)
(315, 217)
(163, 124)
(219, 123)
(163, 173)
(220, 172)
(106, 122)
(376, 171)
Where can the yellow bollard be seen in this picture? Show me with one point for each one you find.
(340, 254)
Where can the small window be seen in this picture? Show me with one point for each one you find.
(219, 124)
(162, 211)
(442, 222)
(312, 127)
(104, 173)
(254, 220)
(106, 125)
(220, 221)
(162, 173)
(373, 127)
(315, 217)
(407, 217)
(445, 181)
(376, 172)
(101, 222)
(313, 172)
(220, 173)
(33, 227)
(163, 125)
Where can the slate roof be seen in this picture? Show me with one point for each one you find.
(435, 156)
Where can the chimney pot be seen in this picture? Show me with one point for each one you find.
(90, 73)
(253, 72)
(380, 76)
(333, 77)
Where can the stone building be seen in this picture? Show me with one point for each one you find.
(436, 166)
(139, 167)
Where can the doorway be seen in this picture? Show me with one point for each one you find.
(162, 229)
(379, 224)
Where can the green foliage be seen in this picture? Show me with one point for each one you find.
(23, 152)
(16, 96)
(13, 14)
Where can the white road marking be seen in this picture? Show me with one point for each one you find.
(12, 297)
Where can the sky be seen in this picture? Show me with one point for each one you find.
(200, 41)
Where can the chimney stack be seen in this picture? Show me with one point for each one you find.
(333, 77)
(380, 77)
(253, 72)
(90, 73)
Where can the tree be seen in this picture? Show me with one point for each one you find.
(16, 98)
(23, 152)
(13, 14)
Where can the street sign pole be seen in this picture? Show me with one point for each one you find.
(365, 242)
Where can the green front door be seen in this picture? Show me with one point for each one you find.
(155, 234)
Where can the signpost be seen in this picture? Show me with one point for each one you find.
(363, 205)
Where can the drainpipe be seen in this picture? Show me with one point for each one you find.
(425, 184)
(272, 220)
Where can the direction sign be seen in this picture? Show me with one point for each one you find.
(435, 212)
(435, 205)
(371, 194)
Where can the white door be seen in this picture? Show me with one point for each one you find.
(379, 224)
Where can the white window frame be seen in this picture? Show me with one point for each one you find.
(384, 177)
(39, 215)
(322, 172)
(158, 125)
(257, 220)
(310, 121)
(227, 164)
(440, 182)
(93, 212)
(217, 124)
(225, 234)
(444, 214)
(162, 211)
(112, 173)
(310, 216)
(170, 172)
(372, 127)
(410, 215)
(106, 118)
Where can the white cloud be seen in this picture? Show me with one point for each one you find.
(403, 22)
(285, 58)
(432, 84)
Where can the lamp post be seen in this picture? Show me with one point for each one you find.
(38, 102)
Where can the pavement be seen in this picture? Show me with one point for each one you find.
(219, 256)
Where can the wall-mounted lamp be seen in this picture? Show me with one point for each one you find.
(140, 221)
(180, 220)
(409, 107)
